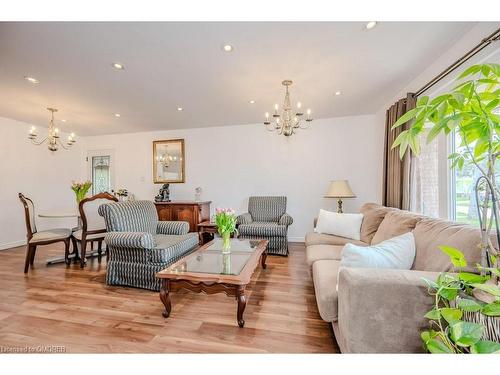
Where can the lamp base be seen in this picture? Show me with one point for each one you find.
(339, 206)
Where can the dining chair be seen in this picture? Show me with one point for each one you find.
(45, 237)
(93, 225)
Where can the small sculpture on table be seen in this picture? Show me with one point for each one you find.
(163, 194)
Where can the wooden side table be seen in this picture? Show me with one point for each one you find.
(206, 231)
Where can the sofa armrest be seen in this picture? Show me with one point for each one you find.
(285, 220)
(135, 240)
(382, 310)
(172, 227)
(245, 218)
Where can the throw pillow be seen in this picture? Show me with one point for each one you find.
(396, 253)
(343, 225)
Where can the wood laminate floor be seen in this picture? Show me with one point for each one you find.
(74, 308)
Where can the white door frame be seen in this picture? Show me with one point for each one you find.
(102, 152)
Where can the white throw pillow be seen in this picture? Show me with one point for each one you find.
(396, 253)
(343, 225)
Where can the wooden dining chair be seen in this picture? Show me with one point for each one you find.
(93, 225)
(37, 238)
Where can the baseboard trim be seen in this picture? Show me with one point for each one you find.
(296, 239)
(9, 245)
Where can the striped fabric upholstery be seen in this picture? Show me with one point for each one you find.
(266, 208)
(264, 228)
(140, 246)
(136, 216)
(266, 219)
(172, 227)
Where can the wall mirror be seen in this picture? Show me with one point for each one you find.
(168, 161)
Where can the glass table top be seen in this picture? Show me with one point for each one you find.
(211, 260)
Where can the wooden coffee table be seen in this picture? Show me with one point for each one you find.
(209, 271)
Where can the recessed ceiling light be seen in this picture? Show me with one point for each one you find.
(252, 101)
(63, 120)
(370, 25)
(118, 66)
(180, 109)
(227, 48)
(337, 93)
(31, 79)
(117, 115)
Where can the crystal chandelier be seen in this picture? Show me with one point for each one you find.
(166, 158)
(287, 121)
(53, 137)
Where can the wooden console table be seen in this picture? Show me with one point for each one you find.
(191, 211)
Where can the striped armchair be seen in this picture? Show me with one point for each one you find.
(266, 218)
(139, 245)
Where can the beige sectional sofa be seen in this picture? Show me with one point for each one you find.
(381, 310)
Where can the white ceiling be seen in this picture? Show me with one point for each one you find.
(181, 64)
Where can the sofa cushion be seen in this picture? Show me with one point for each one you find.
(395, 253)
(395, 223)
(325, 274)
(431, 233)
(264, 228)
(322, 252)
(373, 214)
(170, 248)
(314, 238)
(344, 225)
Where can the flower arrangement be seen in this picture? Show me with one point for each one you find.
(225, 219)
(80, 189)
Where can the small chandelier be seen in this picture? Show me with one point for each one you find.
(166, 158)
(288, 121)
(53, 137)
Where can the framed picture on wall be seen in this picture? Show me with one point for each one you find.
(168, 161)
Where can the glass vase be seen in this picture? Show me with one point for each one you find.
(226, 242)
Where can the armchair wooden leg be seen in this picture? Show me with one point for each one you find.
(83, 245)
(99, 251)
(32, 257)
(66, 251)
(28, 258)
(75, 249)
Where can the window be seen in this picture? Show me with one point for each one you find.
(100, 170)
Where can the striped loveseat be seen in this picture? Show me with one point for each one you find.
(266, 218)
(139, 245)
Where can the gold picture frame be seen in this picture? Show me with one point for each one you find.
(169, 161)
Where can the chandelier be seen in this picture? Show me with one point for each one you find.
(287, 121)
(53, 137)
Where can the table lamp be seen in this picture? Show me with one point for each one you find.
(339, 189)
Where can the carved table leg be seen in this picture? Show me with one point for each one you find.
(242, 302)
(263, 258)
(165, 297)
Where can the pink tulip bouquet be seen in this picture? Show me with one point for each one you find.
(225, 219)
(80, 189)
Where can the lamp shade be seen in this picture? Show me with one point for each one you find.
(340, 189)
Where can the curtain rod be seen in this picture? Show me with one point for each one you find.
(483, 44)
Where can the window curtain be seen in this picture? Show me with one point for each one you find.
(397, 172)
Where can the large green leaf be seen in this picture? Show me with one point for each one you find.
(406, 117)
(448, 293)
(437, 347)
(469, 71)
(467, 304)
(472, 277)
(456, 256)
(466, 333)
(451, 315)
(485, 347)
(491, 309)
(433, 314)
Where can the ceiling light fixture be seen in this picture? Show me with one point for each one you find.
(370, 25)
(252, 101)
(180, 109)
(118, 66)
(288, 120)
(117, 115)
(31, 79)
(63, 120)
(337, 93)
(53, 136)
(227, 48)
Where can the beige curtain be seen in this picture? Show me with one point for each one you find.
(397, 172)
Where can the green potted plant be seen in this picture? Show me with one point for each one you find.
(470, 109)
